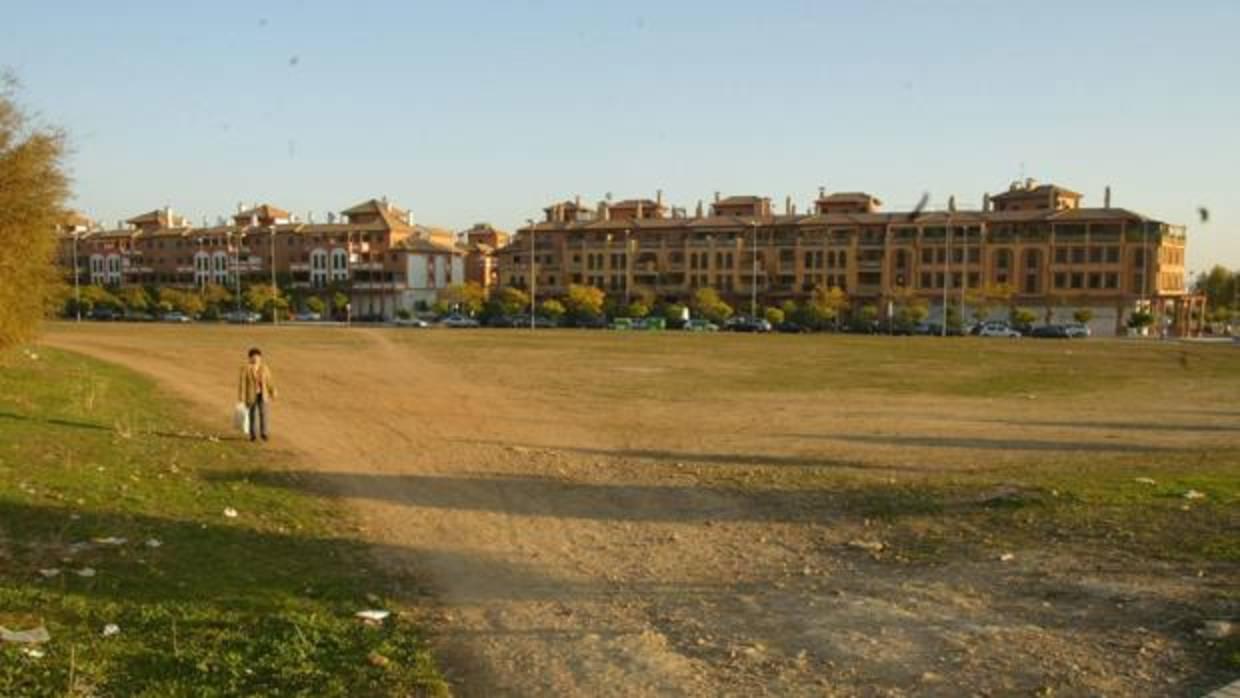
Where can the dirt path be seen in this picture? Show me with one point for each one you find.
(596, 567)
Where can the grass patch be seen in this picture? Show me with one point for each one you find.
(206, 605)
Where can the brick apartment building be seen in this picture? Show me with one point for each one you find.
(482, 242)
(374, 252)
(1038, 239)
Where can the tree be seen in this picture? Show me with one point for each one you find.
(95, 296)
(316, 305)
(674, 312)
(134, 299)
(1140, 319)
(466, 298)
(980, 302)
(1083, 315)
(867, 316)
(552, 309)
(1219, 287)
(954, 318)
(265, 299)
(825, 306)
(513, 301)
(637, 309)
(775, 316)
(215, 296)
(1023, 317)
(340, 302)
(584, 302)
(790, 309)
(441, 308)
(912, 312)
(33, 189)
(707, 303)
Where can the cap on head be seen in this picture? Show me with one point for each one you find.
(255, 351)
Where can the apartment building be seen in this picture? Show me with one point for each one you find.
(481, 243)
(374, 252)
(1054, 253)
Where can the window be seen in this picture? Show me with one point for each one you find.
(927, 255)
(1112, 255)
(1061, 255)
(1095, 255)
(1095, 280)
(1061, 280)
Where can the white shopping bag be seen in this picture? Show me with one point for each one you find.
(241, 418)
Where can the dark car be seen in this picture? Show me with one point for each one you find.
(1050, 332)
(137, 316)
(746, 324)
(791, 328)
(591, 323)
(104, 314)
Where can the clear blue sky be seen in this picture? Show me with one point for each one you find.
(487, 111)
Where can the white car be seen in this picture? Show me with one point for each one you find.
(458, 321)
(996, 329)
(411, 322)
(176, 317)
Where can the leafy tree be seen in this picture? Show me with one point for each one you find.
(825, 306)
(674, 311)
(33, 189)
(1083, 315)
(403, 313)
(1219, 287)
(513, 301)
(980, 302)
(774, 316)
(467, 298)
(867, 316)
(1140, 319)
(584, 302)
(553, 309)
(708, 304)
(912, 312)
(95, 296)
(441, 308)
(954, 316)
(134, 299)
(265, 299)
(790, 309)
(191, 304)
(316, 305)
(638, 309)
(1023, 317)
(216, 297)
(340, 302)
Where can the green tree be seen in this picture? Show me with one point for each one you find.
(33, 189)
(707, 303)
(1083, 315)
(513, 301)
(216, 297)
(790, 309)
(637, 309)
(442, 308)
(95, 296)
(584, 302)
(1219, 287)
(134, 299)
(775, 316)
(673, 311)
(340, 302)
(316, 305)
(466, 298)
(867, 316)
(1140, 319)
(552, 309)
(265, 299)
(1023, 317)
(824, 307)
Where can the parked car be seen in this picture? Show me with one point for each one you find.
(789, 327)
(591, 322)
(653, 323)
(540, 322)
(748, 324)
(996, 329)
(458, 321)
(307, 317)
(700, 325)
(411, 322)
(104, 314)
(622, 323)
(934, 329)
(1050, 332)
(242, 317)
(137, 316)
(176, 317)
(1077, 331)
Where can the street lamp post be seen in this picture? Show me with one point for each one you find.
(275, 293)
(533, 278)
(947, 260)
(753, 274)
(237, 269)
(628, 269)
(77, 290)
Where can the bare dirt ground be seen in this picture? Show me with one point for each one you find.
(579, 546)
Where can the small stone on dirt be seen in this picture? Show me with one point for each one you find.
(1217, 629)
(378, 660)
(229, 512)
(873, 546)
(34, 636)
(1006, 557)
(111, 629)
(1194, 494)
(1145, 480)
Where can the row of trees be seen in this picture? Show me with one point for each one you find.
(208, 302)
(1222, 290)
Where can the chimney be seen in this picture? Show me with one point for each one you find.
(788, 205)
(986, 203)
(604, 211)
(240, 207)
(716, 197)
(310, 217)
(1030, 182)
(577, 201)
(1107, 198)
(639, 210)
(658, 197)
(822, 192)
(409, 218)
(699, 208)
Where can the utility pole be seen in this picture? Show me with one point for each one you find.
(533, 277)
(753, 275)
(947, 259)
(77, 290)
(275, 308)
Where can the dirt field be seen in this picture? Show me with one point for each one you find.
(604, 514)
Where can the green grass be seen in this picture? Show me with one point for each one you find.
(678, 366)
(260, 604)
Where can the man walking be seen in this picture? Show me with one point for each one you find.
(256, 389)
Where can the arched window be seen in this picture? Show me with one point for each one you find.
(318, 268)
(340, 264)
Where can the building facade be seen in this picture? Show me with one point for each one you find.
(1036, 240)
(481, 243)
(373, 252)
